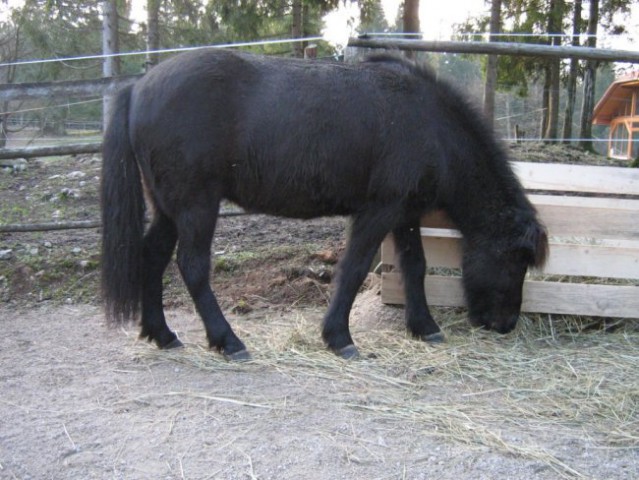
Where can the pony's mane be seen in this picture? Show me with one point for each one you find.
(534, 236)
(397, 61)
(389, 57)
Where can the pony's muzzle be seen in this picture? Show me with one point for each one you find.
(501, 325)
(507, 325)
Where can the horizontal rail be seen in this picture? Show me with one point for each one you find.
(45, 227)
(70, 88)
(77, 225)
(32, 152)
(578, 178)
(609, 260)
(567, 216)
(540, 297)
(499, 48)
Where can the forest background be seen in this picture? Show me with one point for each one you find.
(540, 99)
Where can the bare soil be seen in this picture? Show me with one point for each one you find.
(79, 399)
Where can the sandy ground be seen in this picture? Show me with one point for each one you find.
(80, 400)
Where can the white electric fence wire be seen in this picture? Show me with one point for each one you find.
(165, 50)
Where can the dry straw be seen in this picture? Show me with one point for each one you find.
(553, 377)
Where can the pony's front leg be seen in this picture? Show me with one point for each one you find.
(367, 232)
(419, 321)
(194, 260)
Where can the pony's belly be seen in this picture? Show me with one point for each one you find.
(293, 208)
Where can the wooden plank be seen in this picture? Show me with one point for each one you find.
(387, 251)
(440, 250)
(581, 299)
(68, 88)
(589, 217)
(578, 178)
(540, 297)
(79, 224)
(604, 218)
(607, 261)
(440, 291)
(622, 204)
(593, 261)
(497, 48)
(32, 152)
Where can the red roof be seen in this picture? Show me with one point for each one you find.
(614, 99)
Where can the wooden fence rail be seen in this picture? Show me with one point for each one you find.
(32, 152)
(71, 88)
(80, 224)
(499, 48)
(105, 86)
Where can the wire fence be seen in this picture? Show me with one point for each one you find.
(160, 51)
(229, 45)
(23, 122)
(482, 35)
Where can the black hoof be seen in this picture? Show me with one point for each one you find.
(175, 343)
(437, 337)
(239, 356)
(349, 352)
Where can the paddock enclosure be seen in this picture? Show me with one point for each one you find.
(592, 217)
(556, 398)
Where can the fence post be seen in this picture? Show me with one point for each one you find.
(111, 65)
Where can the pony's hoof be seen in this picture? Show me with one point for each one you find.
(239, 356)
(349, 352)
(437, 337)
(175, 343)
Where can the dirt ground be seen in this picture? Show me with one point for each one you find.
(79, 399)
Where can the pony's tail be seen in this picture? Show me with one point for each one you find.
(122, 202)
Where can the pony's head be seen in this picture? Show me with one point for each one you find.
(493, 275)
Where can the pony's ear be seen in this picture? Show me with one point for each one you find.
(535, 242)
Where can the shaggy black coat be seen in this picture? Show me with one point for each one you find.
(383, 141)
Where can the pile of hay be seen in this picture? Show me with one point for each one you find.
(549, 375)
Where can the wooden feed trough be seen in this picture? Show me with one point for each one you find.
(592, 216)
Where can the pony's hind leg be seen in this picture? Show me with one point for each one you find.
(419, 321)
(195, 229)
(159, 243)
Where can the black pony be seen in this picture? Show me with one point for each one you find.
(383, 141)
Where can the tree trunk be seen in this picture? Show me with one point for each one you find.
(545, 100)
(490, 86)
(553, 101)
(590, 76)
(152, 34)
(110, 46)
(572, 74)
(411, 22)
(297, 29)
(7, 76)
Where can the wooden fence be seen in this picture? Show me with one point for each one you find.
(592, 216)
(498, 48)
(107, 86)
(33, 152)
(70, 88)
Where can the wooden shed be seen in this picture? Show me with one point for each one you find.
(619, 108)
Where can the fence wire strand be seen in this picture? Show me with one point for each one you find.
(164, 50)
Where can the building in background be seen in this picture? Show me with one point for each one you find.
(619, 109)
